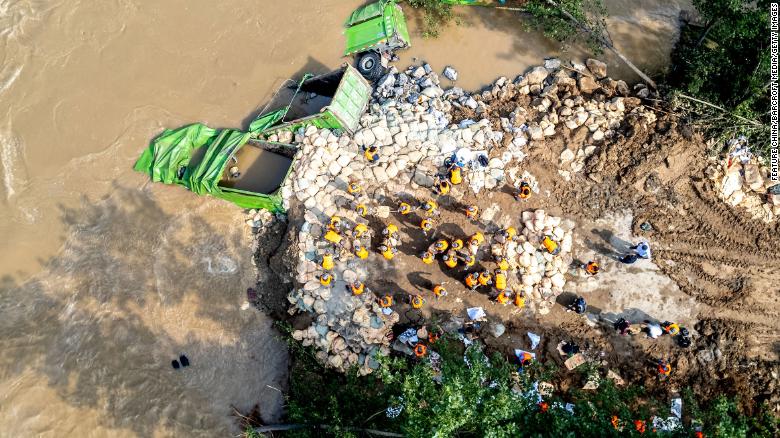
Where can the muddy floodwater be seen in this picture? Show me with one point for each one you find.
(106, 278)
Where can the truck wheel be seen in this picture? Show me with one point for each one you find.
(370, 66)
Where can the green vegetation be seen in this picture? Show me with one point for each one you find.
(485, 397)
(551, 18)
(726, 63)
(436, 14)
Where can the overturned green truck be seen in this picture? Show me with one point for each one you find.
(243, 167)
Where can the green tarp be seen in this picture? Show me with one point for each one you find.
(176, 157)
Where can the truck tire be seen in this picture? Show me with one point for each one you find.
(370, 66)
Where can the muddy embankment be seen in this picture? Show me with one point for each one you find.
(595, 149)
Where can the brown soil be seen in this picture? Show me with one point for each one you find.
(719, 259)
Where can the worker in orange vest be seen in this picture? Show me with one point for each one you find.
(591, 268)
(519, 300)
(670, 328)
(357, 287)
(485, 279)
(664, 369)
(472, 211)
(385, 302)
(439, 291)
(420, 350)
(502, 298)
(472, 280)
(523, 192)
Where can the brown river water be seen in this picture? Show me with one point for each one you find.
(105, 277)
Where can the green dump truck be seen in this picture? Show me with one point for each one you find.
(244, 167)
(373, 33)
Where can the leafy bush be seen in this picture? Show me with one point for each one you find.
(726, 63)
(552, 21)
(436, 15)
(474, 395)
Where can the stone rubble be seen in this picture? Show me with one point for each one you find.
(743, 181)
(410, 120)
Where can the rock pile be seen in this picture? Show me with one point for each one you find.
(541, 274)
(411, 122)
(743, 181)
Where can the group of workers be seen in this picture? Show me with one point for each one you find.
(463, 252)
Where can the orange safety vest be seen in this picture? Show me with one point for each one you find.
(502, 298)
(404, 208)
(551, 246)
(430, 207)
(455, 175)
(592, 268)
(664, 369)
(450, 260)
(519, 300)
(388, 253)
(417, 302)
(471, 212)
(471, 281)
(427, 258)
(433, 337)
(640, 426)
(444, 187)
(500, 281)
(333, 237)
(672, 329)
(359, 230)
(386, 301)
(484, 278)
(420, 350)
(615, 421)
(371, 154)
(327, 261)
(357, 287)
(525, 191)
(439, 291)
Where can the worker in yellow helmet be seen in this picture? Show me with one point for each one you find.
(442, 187)
(519, 300)
(326, 278)
(455, 175)
(361, 210)
(430, 207)
(500, 279)
(523, 192)
(439, 291)
(357, 287)
(440, 246)
(427, 257)
(335, 223)
(509, 233)
(404, 208)
(371, 153)
(387, 251)
(360, 251)
(390, 231)
(385, 301)
(426, 225)
(354, 188)
(475, 241)
(327, 261)
(472, 212)
(457, 244)
(469, 260)
(485, 279)
(359, 230)
(502, 298)
(472, 280)
(550, 245)
(416, 301)
(450, 259)
(502, 263)
(333, 237)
